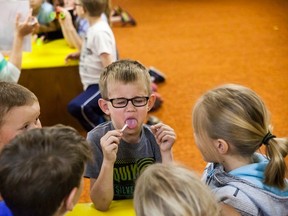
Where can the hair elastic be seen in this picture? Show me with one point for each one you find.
(267, 137)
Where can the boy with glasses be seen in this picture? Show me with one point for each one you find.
(124, 146)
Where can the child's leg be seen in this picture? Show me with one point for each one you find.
(85, 108)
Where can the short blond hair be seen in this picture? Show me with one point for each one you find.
(174, 190)
(125, 71)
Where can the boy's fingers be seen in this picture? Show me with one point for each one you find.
(29, 16)
(17, 18)
(30, 12)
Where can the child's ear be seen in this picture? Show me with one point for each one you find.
(151, 101)
(70, 201)
(221, 146)
(103, 104)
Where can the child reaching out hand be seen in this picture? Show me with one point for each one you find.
(120, 156)
(10, 70)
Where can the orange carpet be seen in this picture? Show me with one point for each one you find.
(200, 44)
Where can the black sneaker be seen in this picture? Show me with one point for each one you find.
(156, 75)
(126, 18)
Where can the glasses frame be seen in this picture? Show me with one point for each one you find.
(127, 101)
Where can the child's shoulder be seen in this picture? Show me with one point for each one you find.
(46, 6)
(101, 129)
(100, 25)
(147, 132)
(146, 128)
(4, 210)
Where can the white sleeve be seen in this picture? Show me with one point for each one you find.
(8, 71)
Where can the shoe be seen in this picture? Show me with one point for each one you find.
(126, 18)
(152, 120)
(156, 75)
(116, 11)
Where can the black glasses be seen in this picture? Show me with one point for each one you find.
(122, 102)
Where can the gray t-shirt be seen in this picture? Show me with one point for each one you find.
(131, 159)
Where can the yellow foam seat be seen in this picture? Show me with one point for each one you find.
(48, 55)
(119, 208)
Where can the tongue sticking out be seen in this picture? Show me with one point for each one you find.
(132, 123)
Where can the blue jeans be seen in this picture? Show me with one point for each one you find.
(85, 108)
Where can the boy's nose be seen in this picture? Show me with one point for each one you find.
(130, 105)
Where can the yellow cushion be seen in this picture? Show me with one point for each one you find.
(117, 208)
(47, 55)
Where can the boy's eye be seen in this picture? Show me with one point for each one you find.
(120, 101)
(138, 100)
(25, 127)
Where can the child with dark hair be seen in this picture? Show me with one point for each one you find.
(41, 171)
(49, 28)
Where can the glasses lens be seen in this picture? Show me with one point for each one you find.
(139, 101)
(119, 102)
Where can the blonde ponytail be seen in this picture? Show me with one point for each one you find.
(276, 151)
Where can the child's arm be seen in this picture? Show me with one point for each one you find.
(227, 210)
(69, 32)
(101, 189)
(72, 56)
(165, 137)
(106, 59)
(50, 27)
(21, 30)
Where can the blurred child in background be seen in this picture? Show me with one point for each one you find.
(49, 28)
(97, 51)
(10, 70)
